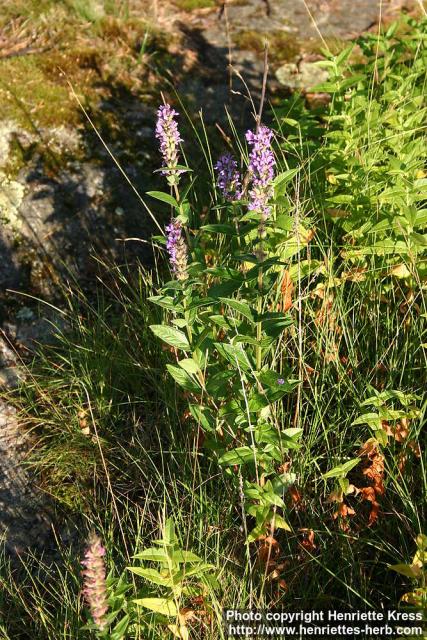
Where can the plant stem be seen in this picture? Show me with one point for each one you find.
(259, 327)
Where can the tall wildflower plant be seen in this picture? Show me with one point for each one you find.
(167, 133)
(221, 321)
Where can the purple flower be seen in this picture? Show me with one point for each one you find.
(177, 249)
(168, 135)
(280, 381)
(228, 179)
(95, 588)
(261, 168)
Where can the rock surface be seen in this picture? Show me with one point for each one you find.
(24, 521)
(233, 35)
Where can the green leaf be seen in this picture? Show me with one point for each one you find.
(187, 572)
(152, 575)
(240, 307)
(341, 470)
(293, 433)
(260, 512)
(227, 229)
(371, 419)
(225, 288)
(392, 394)
(120, 628)
(344, 55)
(169, 535)
(275, 323)
(170, 335)
(189, 365)
(285, 222)
(282, 179)
(279, 523)
(159, 605)
(203, 416)
(182, 378)
(272, 499)
(266, 434)
(234, 354)
(381, 248)
(419, 239)
(166, 301)
(257, 401)
(421, 542)
(181, 556)
(285, 176)
(180, 322)
(152, 554)
(405, 570)
(164, 197)
(256, 533)
(238, 456)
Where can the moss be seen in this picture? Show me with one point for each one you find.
(34, 91)
(35, 88)
(282, 46)
(18, 9)
(190, 5)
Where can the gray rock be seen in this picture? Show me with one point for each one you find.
(24, 519)
(301, 77)
(8, 356)
(10, 378)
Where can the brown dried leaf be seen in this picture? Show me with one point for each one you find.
(287, 288)
(268, 551)
(308, 540)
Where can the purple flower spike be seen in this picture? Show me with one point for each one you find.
(168, 135)
(261, 167)
(280, 381)
(95, 588)
(177, 250)
(228, 180)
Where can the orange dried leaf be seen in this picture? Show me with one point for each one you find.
(368, 448)
(186, 614)
(268, 552)
(295, 495)
(401, 430)
(415, 448)
(287, 289)
(308, 540)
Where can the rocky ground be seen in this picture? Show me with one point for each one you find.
(62, 195)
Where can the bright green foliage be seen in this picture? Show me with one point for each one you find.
(375, 146)
(417, 572)
(369, 172)
(182, 574)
